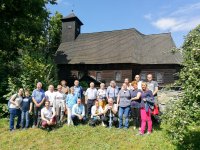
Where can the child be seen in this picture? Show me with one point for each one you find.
(26, 107)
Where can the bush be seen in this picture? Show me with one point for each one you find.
(184, 114)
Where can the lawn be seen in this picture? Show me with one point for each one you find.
(82, 137)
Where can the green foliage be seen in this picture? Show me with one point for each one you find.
(185, 112)
(84, 84)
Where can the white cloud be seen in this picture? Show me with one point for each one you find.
(183, 19)
(176, 24)
(148, 16)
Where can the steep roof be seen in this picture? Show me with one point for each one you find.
(71, 17)
(118, 46)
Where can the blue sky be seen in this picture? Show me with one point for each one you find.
(147, 16)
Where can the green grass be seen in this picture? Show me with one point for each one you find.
(81, 137)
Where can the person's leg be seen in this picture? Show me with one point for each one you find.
(138, 118)
(27, 119)
(121, 112)
(105, 120)
(18, 113)
(44, 124)
(133, 112)
(143, 119)
(35, 117)
(84, 119)
(23, 118)
(148, 114)
(89, 106)
(126, 115)
(62, 110)
(69, 113)
(74, 119)
(12, 117)
(115, 122)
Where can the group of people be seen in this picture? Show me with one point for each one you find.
(107, 106)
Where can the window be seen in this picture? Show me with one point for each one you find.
(98, 76)
(143, 76)
(118, 76)
(159, 77)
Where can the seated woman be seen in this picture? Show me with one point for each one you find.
(96, 114)
(147, 104)
(48, 115)
(110, 113)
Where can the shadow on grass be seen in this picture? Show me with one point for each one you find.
(191, 141)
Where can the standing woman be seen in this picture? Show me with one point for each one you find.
(146, 104)
(71, 100)
(101, 95)
(135, 104)
(124, 103)
(14, 109)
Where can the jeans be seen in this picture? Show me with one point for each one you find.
(13, 113)
(37, 115)
(76, 120)
(96, 120)
(25, 117)
(124, 111)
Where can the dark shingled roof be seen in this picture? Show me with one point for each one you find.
(119, 46)
(71, 17)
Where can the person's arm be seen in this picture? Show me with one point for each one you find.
(31, 106)
(137, 97)
(118, 100)
(83, 112)
(33, 98)
(156, 88)
(86, 96)
(12, 100)
(43, 99)
(114, 109)
(107, 93)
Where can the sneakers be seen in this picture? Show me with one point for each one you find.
(134, 127)
(140, 134)
(148, 133)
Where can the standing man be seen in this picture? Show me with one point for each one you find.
(78, 89)
(38, 98)
(153, 86)
(91, 96)
(112, 91)
(65, 88)
(139, 82)
(50, 95)
(129, 86)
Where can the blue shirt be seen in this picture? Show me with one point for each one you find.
(38, 95)
(78, 110)
(71, 100)
(79, 91)
(135, 103)
(112, 92)
(25, 105)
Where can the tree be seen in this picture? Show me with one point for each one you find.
(183, 116)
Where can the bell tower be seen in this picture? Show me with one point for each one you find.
(71, 27)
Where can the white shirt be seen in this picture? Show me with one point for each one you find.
(139, 85)
(18, 100)
(94, 110)
(91, 93)
(51, 96)
(101, 93)
(48, 113)
(60, 96)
